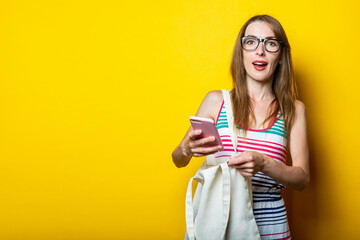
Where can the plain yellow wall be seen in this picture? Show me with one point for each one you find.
(95, 95)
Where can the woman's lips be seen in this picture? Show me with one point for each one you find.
(260, 65)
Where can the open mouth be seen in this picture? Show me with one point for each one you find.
(260, 65)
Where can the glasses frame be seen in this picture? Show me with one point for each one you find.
(259, 40)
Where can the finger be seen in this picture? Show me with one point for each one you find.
(207, 140)
(199, 155)
(238, 160)
(246, 174)
(202, 141)
(205, 150)
(195, 134)
(244, 166)
(194, 143)
(241, 158)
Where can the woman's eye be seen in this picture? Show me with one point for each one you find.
(272, 43)
(249, 42)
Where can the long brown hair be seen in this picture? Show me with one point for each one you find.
(283, 85)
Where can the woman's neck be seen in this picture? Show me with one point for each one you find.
(260, 91)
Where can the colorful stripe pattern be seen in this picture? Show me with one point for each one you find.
(277, 127)
(268, 205)
(222, 119)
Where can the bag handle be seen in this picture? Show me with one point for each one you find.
(225, 178)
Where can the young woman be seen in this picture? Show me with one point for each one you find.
(270, 122)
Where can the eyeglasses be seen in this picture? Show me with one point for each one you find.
(251, 44)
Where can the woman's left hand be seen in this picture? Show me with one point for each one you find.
(248, 163)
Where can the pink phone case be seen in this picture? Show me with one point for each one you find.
(208, 128)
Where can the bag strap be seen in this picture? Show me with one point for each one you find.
(226, 202)
(226, 196)
(189, 211)
(230, 118)
(225, 179)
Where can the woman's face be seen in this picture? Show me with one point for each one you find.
(260, 64)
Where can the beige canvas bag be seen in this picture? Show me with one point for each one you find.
(222, 205)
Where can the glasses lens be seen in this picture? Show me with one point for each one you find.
(250, 43)
(272, 45)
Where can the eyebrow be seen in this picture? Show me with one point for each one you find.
(269, 37)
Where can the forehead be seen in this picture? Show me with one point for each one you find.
(259, 29)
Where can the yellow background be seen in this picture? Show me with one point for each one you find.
(95, 95)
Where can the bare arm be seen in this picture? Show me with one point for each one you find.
(296, 176)
(191, 144)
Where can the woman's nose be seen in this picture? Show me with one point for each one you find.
(260, 49)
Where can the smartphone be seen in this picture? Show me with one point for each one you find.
(207, 125)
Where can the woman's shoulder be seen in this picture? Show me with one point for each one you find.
(299, 104)
(299, 107)
(214, 96)
(211, 104)
(300, 114)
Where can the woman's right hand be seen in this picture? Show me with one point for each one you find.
(192, 143)
(195, 144)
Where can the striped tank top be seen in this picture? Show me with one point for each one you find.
(268, 204)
